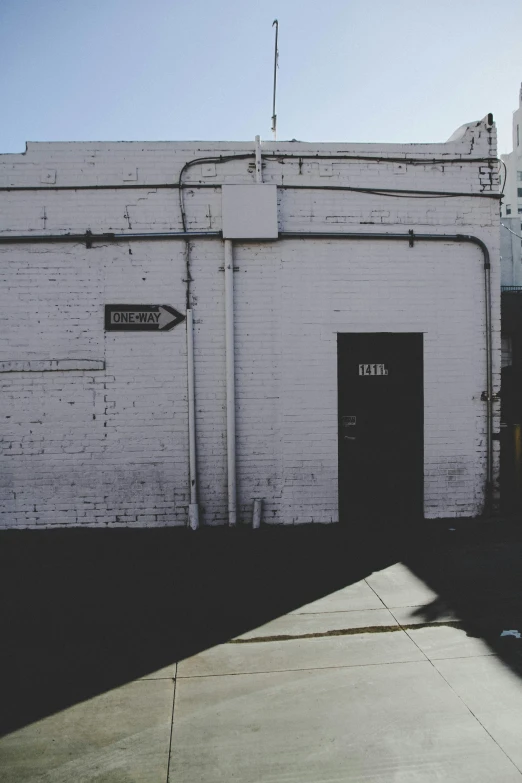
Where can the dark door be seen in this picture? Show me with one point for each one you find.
(381, 422)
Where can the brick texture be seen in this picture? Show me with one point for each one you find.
(95, 424)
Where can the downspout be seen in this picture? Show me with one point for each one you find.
(193, 515)
(230, 383)
(230, 362)
(193, 510)
(487, 396)
(257, 505)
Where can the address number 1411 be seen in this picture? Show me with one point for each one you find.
(372, 369)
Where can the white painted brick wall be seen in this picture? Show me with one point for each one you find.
(107, 443)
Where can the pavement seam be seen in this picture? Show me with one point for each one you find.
(405, 629)
(377, 594)
(476, 718)
(464, 657)
(172, 723)
(458, 696)
(339, 611)
(306, 669)
(146, 679)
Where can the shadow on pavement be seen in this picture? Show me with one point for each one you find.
(84, 611)
(475, 567)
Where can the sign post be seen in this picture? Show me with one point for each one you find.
(141, 318)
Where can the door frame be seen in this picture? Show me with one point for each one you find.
(419, 484)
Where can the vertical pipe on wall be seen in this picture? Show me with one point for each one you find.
(231, 390)
(193, 506)
(489, 385)
(258, 502)
(257, 513)
(259, 163)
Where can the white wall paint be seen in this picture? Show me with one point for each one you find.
(109, 446)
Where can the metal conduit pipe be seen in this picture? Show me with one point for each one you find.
(89, 238)
(193, 515)
(411, 237)
(275, 155)
(230, 384)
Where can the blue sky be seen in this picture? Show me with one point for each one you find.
(381, 71)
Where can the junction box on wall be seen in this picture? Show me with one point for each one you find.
(249, 211)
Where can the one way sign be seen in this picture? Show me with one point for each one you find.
(141, 318)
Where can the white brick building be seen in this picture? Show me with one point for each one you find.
(96, 422)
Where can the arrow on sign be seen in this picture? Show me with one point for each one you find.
(141, 318)
(168, 317)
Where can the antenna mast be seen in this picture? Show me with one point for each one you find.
(276, 57)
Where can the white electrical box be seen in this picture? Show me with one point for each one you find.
(249, 211)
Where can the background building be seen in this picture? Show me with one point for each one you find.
(346, 358)
(511, 282)
(510, 252)
(512, 202)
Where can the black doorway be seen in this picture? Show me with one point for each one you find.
(381, 423)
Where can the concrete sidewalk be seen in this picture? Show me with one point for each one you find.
(359, 685)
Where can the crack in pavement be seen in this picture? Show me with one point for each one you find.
(345, 632)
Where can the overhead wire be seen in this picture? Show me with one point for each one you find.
(505, 176)
(199, 161)
(393, 192)
(399, 192)
(390, 193)
(519, 236)
(181, 185)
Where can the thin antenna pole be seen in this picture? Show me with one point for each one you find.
(276, 57)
